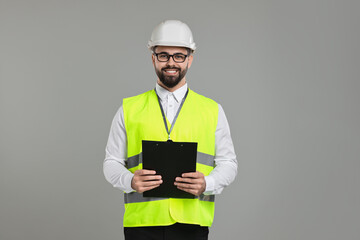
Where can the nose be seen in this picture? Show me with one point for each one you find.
(170, 63)
(171, 60)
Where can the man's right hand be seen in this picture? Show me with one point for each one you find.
(145, 180)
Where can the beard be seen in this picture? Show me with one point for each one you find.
(171, 81)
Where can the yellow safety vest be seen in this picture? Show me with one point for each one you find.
(196, 122)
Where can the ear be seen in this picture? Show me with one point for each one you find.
(153, 59)
(190, 60)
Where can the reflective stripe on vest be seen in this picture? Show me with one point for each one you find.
(196, 122)
(138, 197)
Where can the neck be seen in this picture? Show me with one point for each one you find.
(179, 85)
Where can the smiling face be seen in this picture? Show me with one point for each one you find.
(171, 75)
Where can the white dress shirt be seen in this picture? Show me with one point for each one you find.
(116, 150)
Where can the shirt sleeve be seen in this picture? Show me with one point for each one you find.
(116, 153)
(225, 159)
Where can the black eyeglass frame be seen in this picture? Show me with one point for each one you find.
(169, 55)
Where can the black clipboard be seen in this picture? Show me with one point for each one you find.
(169, 159)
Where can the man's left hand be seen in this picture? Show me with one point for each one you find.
(193, 182)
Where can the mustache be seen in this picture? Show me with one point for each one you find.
(170, 68)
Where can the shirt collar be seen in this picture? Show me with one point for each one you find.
(178, 93)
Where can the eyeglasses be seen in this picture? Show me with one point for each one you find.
(164, 57)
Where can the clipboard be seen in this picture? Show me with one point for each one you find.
(169, 159)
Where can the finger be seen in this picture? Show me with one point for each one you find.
(150, 183)
(149, 177)
(188, 180)
(192, 175)
(187, 186)
(144, 172)
(144, 189)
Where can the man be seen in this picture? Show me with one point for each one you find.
(191, 118)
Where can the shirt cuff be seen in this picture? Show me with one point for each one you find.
(210, 185)
(127, 182)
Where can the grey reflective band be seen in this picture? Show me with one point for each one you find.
(207, 198)
(177, 113)
(135, 197)
(201, 158)
(134, 161)
(205, 159)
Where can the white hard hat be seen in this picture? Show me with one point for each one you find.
(172, 33)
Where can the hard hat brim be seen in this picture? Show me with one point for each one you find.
(151, 44)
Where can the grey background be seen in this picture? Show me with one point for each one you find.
(286, 73)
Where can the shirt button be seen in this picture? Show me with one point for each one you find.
(170, 105)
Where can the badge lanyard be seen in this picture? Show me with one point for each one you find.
(176, 116)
